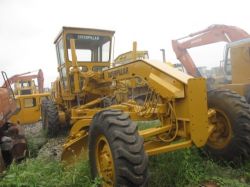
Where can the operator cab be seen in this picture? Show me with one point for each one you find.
(93, 50)
(236, 61)
(25, 87)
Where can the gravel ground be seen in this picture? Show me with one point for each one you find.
(52, 149)
(46, 148)
(33, 129)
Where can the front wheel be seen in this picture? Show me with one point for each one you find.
(230, 139)
(116, 151)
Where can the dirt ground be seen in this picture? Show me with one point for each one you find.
(47, 148)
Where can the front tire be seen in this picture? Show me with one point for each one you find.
(230, 140)
(116, 151)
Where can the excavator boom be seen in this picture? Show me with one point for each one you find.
(212, 34)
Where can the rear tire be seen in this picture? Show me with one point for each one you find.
(116, 151)
(50, 118)
(233, 136)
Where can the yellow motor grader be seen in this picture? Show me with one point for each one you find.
(100, 103)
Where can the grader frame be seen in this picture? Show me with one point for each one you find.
(99, 103)
(170, 89)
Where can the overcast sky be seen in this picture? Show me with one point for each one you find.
(29, 27)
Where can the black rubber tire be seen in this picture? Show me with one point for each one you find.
(43, 112)
(129, 157)
(248, 96)
(237, 111)
(50, 118)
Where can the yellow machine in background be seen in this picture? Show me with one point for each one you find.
(28, 96)
(24, 84)
(25, 87)
(131, 56)
(237, 66)
(100, 103)
(29, 108)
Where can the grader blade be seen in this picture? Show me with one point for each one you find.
(75, 148)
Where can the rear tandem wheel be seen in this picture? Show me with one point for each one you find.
(230, 140)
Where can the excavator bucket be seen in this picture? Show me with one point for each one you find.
(75, 148)
(20, 148)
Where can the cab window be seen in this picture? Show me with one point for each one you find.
(18, 103)
(29, 102)
(82, 55)
(89, 48)
(60, 52)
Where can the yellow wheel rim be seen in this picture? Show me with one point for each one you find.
(222, 133)
(104, 162)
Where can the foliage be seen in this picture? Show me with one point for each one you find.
(188, 168)
(191, 167)
(176, 169)
(47, 173)
(180, 168)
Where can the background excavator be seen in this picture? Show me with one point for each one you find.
(12, 141)
(24, 83)
(236, 63)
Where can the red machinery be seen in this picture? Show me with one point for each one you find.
(12, 141)
(212, 34)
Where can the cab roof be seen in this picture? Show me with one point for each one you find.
(79, 30)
